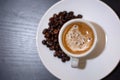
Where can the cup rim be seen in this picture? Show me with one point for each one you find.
(61, 32)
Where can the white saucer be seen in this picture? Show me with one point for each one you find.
(95, 68)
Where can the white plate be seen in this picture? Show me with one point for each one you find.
(97, 67)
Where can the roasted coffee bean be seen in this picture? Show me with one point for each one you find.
(56, 48)
(63, 59)
(60, 13)
(47, 35)
(55, 31)
(59, 55)
(67, 58)
(63, 55)
(71, 13)
(55, 36)
(52, 38)
(47, 45)
(54, 16)
(44, 42)
(56, 24)
(51, 33)
(52, 47)
(60, 51)
(50, 44)
(51, 29)
(55, 40)
(79, 16)
(64, 13)
(45, 30)
(60, 23)
(51, 19)
(55, 54)
(50, 24)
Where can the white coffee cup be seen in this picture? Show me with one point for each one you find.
(75, 58)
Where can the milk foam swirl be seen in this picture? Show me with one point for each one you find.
(75, 40)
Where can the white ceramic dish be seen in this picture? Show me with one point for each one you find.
(98, 66)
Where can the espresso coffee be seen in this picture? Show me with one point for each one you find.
(77, 38)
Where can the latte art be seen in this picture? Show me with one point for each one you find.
(75, 40)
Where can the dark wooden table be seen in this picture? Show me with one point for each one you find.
(19, 59)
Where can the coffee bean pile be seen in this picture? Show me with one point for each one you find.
(51, 33)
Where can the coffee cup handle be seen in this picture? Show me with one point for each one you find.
(74, 62)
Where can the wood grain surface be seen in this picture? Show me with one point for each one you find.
(19, 59)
